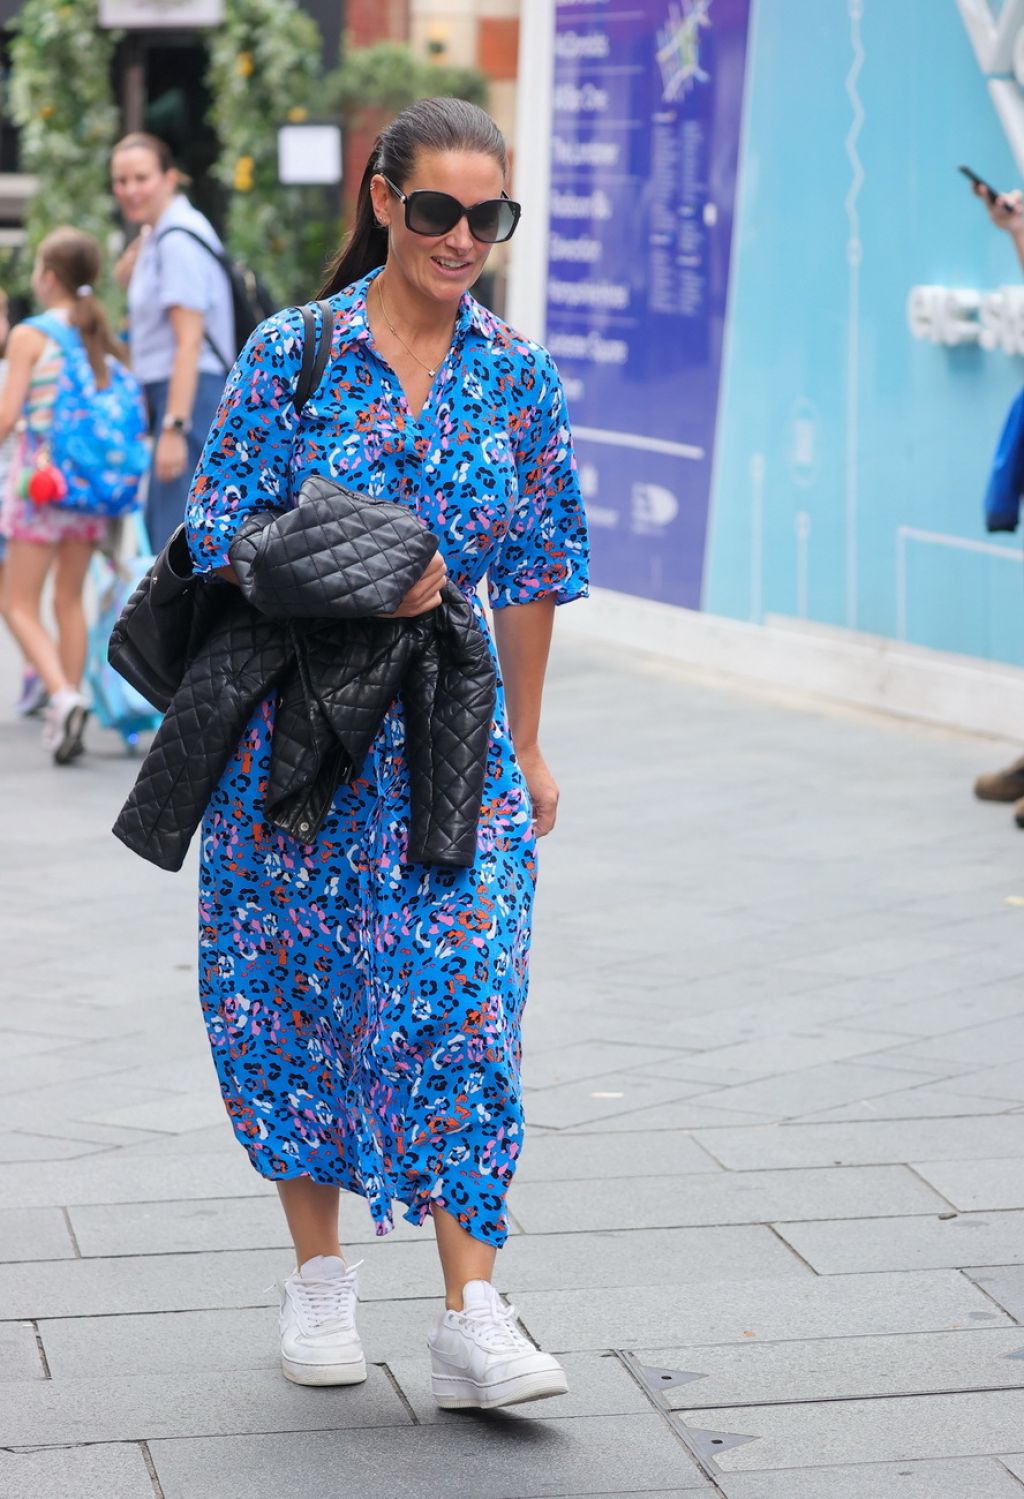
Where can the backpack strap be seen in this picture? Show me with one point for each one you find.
(316, 349)
(61, 333)
(225, 264)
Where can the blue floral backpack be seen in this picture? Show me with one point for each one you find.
(98, 437)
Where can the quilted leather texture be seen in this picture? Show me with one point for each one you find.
(161, 624)
(336, 555)
(336, 678)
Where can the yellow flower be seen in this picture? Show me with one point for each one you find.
(297, 115)
(48, 111)
(243, 174)
(245, 64)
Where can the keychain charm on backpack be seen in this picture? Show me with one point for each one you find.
(43, 483)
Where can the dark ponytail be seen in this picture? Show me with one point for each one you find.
(428, 125)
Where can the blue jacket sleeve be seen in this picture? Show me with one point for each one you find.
(1006, 481)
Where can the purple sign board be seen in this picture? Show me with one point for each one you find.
(645, 138)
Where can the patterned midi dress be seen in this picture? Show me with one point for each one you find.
(365, 1013)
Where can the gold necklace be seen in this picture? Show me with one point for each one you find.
(421, 362)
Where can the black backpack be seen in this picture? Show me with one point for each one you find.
(251, 302)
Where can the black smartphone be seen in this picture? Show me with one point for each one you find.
(976, 181)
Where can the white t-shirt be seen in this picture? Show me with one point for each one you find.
(173, 271)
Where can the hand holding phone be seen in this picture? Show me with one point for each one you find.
(991, 196)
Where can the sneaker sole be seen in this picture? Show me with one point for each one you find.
(70, 746)
(324, 1374)
(464, 1394)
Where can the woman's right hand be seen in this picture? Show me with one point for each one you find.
(425, 594)
(1007, 212)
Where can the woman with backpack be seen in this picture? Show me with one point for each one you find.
(181, 323)
(47, 537)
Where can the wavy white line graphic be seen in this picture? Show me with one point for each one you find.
(854, 256)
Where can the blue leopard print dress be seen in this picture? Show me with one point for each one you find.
(365, 1013)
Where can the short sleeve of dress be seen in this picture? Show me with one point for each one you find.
(245, 464)
(545, 552)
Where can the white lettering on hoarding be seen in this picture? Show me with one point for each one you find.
(569, 205)
(586, 98)
(579, 251)
(590, 346)
(570, 153)
(608, 295)
(954, 317)
(571, 45)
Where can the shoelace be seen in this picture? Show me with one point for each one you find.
(328, 1300)
(496, 1326)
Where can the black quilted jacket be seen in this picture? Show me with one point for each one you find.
(302, 624)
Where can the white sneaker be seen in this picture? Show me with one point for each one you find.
(479, 1359)
(64, 725)
(319, 1342)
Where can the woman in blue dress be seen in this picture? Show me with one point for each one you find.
(365, 1013)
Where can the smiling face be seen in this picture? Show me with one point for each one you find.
(142, 189)
(439, 267)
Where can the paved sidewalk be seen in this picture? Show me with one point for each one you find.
(772, 1207)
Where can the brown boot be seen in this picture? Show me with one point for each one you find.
(1002, 785)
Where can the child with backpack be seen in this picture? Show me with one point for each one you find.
(79, 462)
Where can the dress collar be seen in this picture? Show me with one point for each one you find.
(353, 327)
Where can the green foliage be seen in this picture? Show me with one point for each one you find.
(389, 76)
(264, 71)
(59, 95)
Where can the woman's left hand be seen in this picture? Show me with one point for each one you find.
(171, 456)
(543, 789)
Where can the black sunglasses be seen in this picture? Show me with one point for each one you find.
(491, 222)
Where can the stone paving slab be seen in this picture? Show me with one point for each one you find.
(727, 1197)
(985, 1045)
(599, 1385)
(958, 1478)
(818, 1307)
(827, 1368)
(191, 1403)
(855, 1431)
(111, 1178)
(668, 1257)
(939, 1014)
(236, 1338)
(565, 1157)
(977, 1186)
(859, 1244)
(867, 1144)
(598, 1099)
(34, 1234)
(812, 1088)
(793, 1051)
(19, 1352)
(502, 1457)
(100, 1472)
(1003, 1283)
(16, 1148)
(926, 1100)
(212, 1224)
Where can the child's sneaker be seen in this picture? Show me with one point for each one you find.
(33, 696)
(65, 725)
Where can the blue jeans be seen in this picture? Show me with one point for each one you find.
(165, 498)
